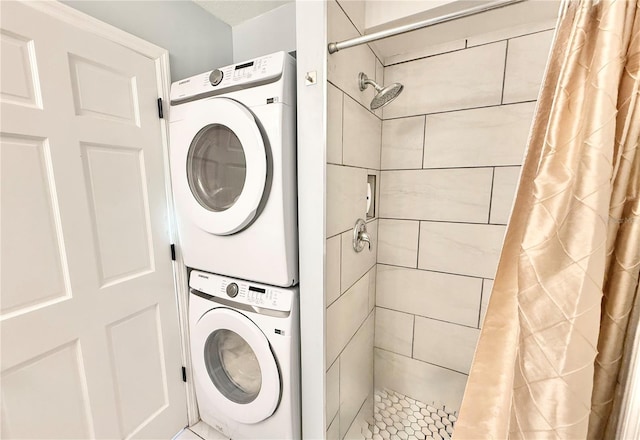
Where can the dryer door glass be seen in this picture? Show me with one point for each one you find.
(216, 167)
(232, 366)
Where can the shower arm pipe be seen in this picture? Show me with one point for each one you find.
(335, 47)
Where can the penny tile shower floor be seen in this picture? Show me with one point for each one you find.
(397, 416)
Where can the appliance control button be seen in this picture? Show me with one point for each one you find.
(216, 77)
(232, 290)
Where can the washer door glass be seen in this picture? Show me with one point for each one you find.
(232, 366)
(216, 167)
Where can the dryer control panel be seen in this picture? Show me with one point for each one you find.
(244, 292)
(227, 79)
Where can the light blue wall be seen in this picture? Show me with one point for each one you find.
(196, 40)
(270, 32)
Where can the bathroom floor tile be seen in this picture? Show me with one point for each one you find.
(420, 420)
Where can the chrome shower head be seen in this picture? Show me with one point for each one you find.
(385, 94)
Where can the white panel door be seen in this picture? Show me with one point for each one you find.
(90, 334)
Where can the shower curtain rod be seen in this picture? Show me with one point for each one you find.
(335, 47)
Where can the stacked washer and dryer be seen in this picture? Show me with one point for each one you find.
(233, 166)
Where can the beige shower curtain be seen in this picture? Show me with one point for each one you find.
(551, 348)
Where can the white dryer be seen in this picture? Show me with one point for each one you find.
(233, 167)
(245, 355)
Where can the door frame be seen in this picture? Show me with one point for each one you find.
(160, 56)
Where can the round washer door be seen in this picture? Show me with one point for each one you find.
(226, 166)
(235, 366)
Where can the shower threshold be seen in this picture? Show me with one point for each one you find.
(397, 416)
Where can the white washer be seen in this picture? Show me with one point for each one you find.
(245, 355)
(233, 167)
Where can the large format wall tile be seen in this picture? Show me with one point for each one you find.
(356, 374)
(452, 81)
(343, 67)
(355, 9)
(526, 60)
(441, 343)
(441, 296)
(332, 272)
(362, 131)
(438, 148)
(402, 142)
(356, 264)
(460, 195)
(394, 331)
(379, 80)
(487, 287)
(505, 181)
(418, 379)
(422, 52)
(398, 242)
(346, 197)
(460, 248)
(345, 316)
(334, 124)
(478, 137)
(333, 390)
(515, 31)
(373, 274)
(362, 419)
(333, 431)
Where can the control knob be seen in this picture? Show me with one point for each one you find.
(232, 290)
(216, 77)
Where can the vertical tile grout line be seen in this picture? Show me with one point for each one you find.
(481, 296)
(504, 72)
(342, 127)
(418, 244)
(381, 137)
(413, 335)
(424, 139)
(340, 271)
(493, 177)
(339, 391)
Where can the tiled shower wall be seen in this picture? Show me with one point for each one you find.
(452, 146)
(353, 152)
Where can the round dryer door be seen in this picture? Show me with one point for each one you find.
(235, 366)
(226, 167)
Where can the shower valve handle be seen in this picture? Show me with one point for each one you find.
(360, 236)
(363, 236)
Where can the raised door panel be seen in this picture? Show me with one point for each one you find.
(20, 84)
(138, 363)
(116, 186)
(39, 395)
(103, 92)
(32, 242)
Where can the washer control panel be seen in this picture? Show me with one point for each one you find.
(232, 290)
(261, 70)
(245, 292)
(215, 77)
